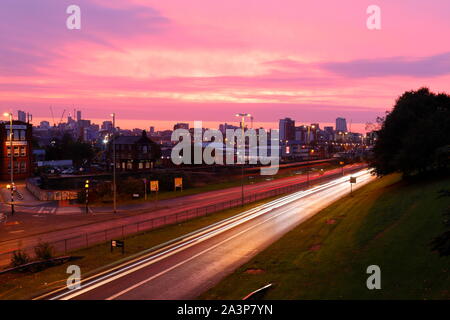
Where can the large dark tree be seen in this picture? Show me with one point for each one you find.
(66, 148)
(415, 135)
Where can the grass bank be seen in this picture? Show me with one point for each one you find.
(388, 223)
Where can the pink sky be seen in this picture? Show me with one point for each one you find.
(158, 62)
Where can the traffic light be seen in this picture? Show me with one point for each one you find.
(87, 195)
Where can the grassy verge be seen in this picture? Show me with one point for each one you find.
(96, 258)
(388, 223)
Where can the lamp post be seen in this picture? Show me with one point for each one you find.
(242, 116)
(113, 115)
(11, 153)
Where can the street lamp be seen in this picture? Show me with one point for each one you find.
(113, 115)
(11, 153)
(242, 116)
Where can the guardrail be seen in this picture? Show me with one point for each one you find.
(89, 239)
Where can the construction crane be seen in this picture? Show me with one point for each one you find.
(62, 116)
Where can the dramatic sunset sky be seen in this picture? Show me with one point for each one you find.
(157, 62)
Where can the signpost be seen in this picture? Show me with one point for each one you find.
(118, 244)
(154, 187)
(145, 188)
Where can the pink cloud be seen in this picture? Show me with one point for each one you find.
(205, 60)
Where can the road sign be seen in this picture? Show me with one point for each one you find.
(179, 183)
(352, 179)
(154, 185)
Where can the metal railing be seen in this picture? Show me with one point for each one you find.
(88, 239)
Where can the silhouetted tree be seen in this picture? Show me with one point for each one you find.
(415, 135)
(66, 148)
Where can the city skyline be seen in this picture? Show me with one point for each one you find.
(259, 63)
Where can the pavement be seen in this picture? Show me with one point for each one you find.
(189, 266)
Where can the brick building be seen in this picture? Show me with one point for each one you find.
(135, 153)
(22, 150)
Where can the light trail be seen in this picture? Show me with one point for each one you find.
(197, 237)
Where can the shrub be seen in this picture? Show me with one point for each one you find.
(19, 258)
(43, 251)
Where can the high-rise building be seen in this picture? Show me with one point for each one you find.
(329, 132)
(300, 134)
(21, 116)
(107, 125)
(78, 115)
(287, 129)
(152, 130)
(341, 124)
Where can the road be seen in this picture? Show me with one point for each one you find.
(42, 226)
(190, 266)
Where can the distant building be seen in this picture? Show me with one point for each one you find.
(329, 132)
(223, 127)
(181, 126)
(152, 130)
(301, 133)
(135, 153)
(22, 150)
(21, 116)
(287, 129)
(44, 125)
(78, 115)
(341, 124)
(84, 123)
(107, 125)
